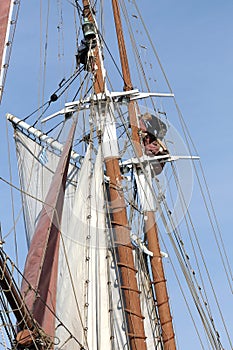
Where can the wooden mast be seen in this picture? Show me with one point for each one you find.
(121, 230)
(159, 280)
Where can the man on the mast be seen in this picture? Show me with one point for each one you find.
(153, 131)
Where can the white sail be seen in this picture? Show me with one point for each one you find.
(87, 279)
(144, 186)
(83, 275)
(71, 275)
(36, 166)
(98, 300)
(84, 253)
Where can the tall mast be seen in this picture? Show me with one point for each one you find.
(159, 280)
(121, 230)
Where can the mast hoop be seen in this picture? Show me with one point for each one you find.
(135, 314)
(138, 336)
(130, 267)
(131, 289)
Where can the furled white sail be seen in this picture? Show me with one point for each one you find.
(87, 279)
(71, 275)
(144, 187)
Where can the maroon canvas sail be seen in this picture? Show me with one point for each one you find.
(4, 16)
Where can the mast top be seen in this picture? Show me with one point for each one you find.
(89, 31)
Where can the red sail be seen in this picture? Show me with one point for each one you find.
(4, 20)
(42, 260)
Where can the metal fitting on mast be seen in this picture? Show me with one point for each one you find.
(88, 30)
(88, 43)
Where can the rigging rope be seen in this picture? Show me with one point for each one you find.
(54, 97)
(188, 277)
(45, 50)
(12, 195)
(183, 255)
(138, 60)
(188, 137)
(224, 258)
(193, 291)
(40, 332)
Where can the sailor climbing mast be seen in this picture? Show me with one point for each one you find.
(119, 222)
(151, 231)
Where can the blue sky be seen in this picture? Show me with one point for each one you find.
(194, 42)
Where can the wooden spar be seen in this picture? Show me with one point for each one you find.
(39, 285)
(159, 280)
(119, 221)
